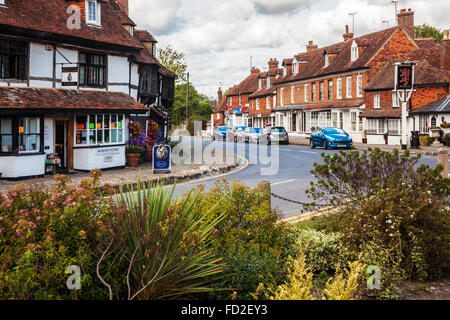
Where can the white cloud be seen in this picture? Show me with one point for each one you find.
(218, 37)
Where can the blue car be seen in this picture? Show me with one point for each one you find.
(220, 133)
(330, 138)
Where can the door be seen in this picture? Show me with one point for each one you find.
(60, 141)
(294, 122)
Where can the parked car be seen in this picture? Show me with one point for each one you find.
(330, 138)
(236, 133)
(274, 134)
(252, 135)
(220, 133)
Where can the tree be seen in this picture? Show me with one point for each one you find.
(199, 105)
(427, 31)
(174, 61)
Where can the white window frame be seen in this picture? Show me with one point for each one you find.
(306, 92)
(27, 134)
(2, 2)
(260, 84)
(339, 88)
(376, 101)
(98, 12)
(293, 94)
(354, 51)
(359, 90)
(377, 123)
(327, 60)
(240, 101)
(257, 104)
(394, 126)
(268, 103)
(88, 129)
(349, 87)
(353, 121)
(269, 81)
(395, 102)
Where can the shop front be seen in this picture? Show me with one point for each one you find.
(86, 130)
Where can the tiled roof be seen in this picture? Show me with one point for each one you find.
(265, 113)
(249, 85)
(12, 98)
(49, 17)
(438, 106)
(425, 43)
(431, 55)
(143, 35)
(123, 17)
(234, 91)
(222, 105)
(264, 92)
(341, 62)
(424, 74)
(370, 113)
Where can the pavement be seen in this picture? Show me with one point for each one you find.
(114, 178)
(430, 150)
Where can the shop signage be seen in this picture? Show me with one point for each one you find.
(69, 76)
(161, 159)
(101, 152)
(237, 111)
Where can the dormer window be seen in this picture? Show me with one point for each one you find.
(93, 13)
(354, 52)
(2, 2)
(260, 83)
(327, 60)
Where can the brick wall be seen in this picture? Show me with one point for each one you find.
(419, 99)
(82, 5)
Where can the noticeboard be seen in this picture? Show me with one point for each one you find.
(161, 159)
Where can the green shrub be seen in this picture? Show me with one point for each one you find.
(254, 247)
(395, 212)
(323, 251)
(45, 230)
(158, 249)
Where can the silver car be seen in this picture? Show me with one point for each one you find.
(274, 135)
(220, 133)
(251, 135)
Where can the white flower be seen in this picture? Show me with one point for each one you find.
(389, 221)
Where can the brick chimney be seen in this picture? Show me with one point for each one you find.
(445, 57)
(406, 21)
(219, 95)
(273, 65)
(311, 46)
(347, 35)
(124, 5)
(255, 71)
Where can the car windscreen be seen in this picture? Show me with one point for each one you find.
(241, 128)
(278, 129)
(222, 128)
(255, 130)
(333, 131)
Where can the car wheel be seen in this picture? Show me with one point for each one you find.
(268, 141)
(311, 144)
(213, 138)
(325, 145)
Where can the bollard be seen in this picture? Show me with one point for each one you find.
(264, 186)
(442, 158)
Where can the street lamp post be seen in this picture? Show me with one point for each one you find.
(404, 87)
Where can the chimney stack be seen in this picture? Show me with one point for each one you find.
(445, 57)
(123, 5)
(273, 65)
(219, 95)
(311, 46)
(255, 71)
(406, 21)
(347, 35)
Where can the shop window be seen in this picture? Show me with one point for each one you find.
(394, 126)
(29, 135)
(353, 118)
(423, 124)
(104, 129)
(81, 130)
(6, 138)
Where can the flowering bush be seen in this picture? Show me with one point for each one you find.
(45, 230)
(142, 142)
(445, 124)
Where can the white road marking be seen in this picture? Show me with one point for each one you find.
(308, 152)
(282, 182)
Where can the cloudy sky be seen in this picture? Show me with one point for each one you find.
(218, 37)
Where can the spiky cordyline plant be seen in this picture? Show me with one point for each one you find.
(165, 243)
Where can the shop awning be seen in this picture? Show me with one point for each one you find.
(42, 100)
(290, 108)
